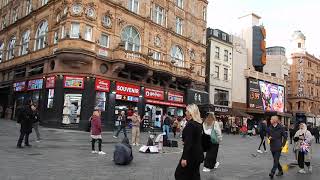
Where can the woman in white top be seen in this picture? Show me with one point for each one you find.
(211, 127)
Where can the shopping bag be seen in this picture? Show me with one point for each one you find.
(285, 149)
(268, 140)
(214, 137)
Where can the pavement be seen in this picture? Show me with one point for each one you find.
(66, 155)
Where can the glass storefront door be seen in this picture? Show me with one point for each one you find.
(72, 108)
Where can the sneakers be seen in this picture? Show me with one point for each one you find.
(265, 151)
(115, 137)
(302, 171)
(94, 152)
(134, 144)
(206, 169)
(259, 151)
(137, 144)
(28, 145)
(101, 153)
(216, 165)
(280, 173)
(310, 169)
(271, 175)
(37, 141)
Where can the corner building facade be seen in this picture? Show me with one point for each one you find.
(71, 57)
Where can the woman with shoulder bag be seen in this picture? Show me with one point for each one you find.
(211, 128)
(192, 156)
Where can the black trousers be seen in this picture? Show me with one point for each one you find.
(211, 156)
(25, 136)
(317, 139)
(190, 172)
(93, 142)
(301, 160)
(174, 130)
(276, 164)
(263, 142)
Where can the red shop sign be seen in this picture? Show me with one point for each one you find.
(127, 89)
(102, 85)
(175, 97)
(153, 94)
(51, 82)
(73, 82)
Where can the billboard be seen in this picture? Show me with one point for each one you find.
(255, 100)
(272, 97)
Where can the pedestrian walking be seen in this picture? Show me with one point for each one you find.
(166, 124)
(96, 131)
(36, 123)
(122, 119)
(316, 134)
(175, 126)
(136, 120)
(25, 118)
(227, 127)
(263, 135)
(292, 132)
(211, 127)
(220, 125)
(192, 156)
(278, 139)
(303, 142)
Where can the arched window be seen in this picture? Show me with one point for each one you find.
(25, 42)
(41, 35)
(11, 46)
(1, 50)
(130, 36)
(177, 56)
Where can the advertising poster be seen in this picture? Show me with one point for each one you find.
(272, 97)
(35, 84)
(73, 82)
(51, 82)
(19, 86)
(255, 100)
(175, 97)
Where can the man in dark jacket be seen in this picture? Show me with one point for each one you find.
(316, 133)
(25, 118)
(278, 138)
(123, 123)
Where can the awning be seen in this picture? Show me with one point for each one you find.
(240, 113)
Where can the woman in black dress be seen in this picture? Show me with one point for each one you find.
(192, 156)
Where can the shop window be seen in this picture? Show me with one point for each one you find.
(221, 97)
(35, 70)
(19, 73)
(72, 108)
(50, 98)
(101, 98)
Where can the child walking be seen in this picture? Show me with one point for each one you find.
(96, 132)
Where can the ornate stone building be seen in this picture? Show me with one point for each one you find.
(303, 85)
(71, 56)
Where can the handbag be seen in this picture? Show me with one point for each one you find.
(214, 137)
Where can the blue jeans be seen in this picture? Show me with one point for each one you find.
(123, 128)
(276, 164)
(166, 129)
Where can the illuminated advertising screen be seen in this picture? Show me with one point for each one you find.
(35, 84)
(255, 100)
(272, 96)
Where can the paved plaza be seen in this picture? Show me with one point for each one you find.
(66, 155)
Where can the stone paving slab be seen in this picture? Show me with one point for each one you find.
(65, 155)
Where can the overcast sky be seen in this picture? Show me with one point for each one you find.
(280, 18)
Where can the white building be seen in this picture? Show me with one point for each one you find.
(240, 63)
(220, 53)
(277, 62)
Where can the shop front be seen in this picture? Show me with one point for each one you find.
(72, 105)
(177, 106)
(153, 111)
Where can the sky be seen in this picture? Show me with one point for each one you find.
(280, 18)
